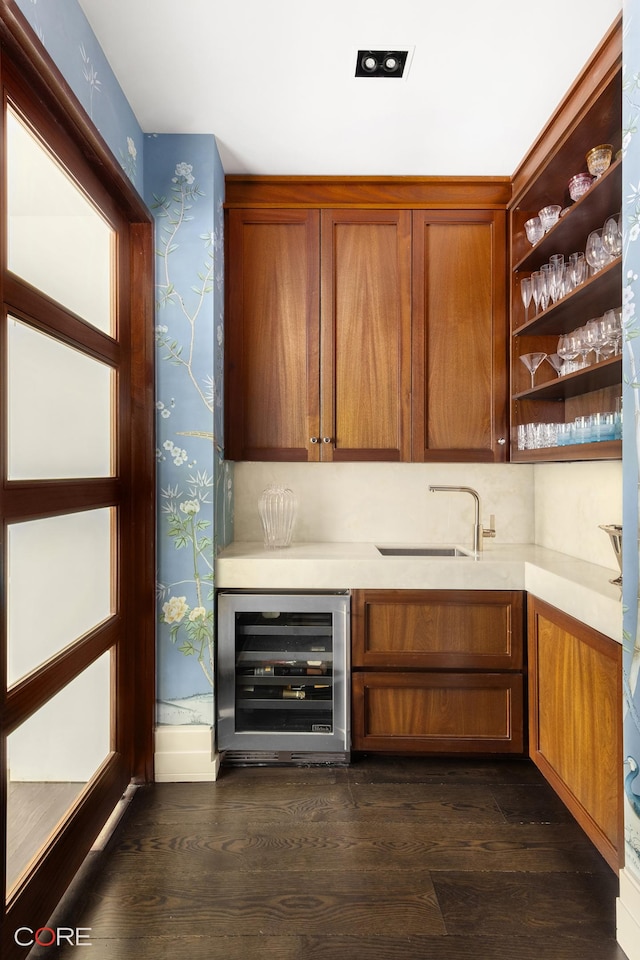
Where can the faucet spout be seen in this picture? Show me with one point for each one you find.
(477, 527)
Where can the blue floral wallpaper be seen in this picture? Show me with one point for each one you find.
(65, 33)
(184, 184)
(631, 438)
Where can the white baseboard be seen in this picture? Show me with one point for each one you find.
(185, 754)
(628, 915)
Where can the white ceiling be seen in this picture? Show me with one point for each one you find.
(274, 79)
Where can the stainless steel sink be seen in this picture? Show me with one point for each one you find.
(421, 552)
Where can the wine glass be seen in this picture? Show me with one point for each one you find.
(612, 236)
(585, 346)
(594, 335)
(595, 253)
(532, 361)
(568, 349)
(526, 292)
(612, 324)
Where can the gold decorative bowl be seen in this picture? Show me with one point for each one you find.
(599, 159)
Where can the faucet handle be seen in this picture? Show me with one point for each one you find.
(490, 531)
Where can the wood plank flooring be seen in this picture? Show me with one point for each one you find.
(387, 859)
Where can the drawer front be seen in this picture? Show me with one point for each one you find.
(448, 629)
(438, 712)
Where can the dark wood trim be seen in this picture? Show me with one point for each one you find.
(39, 891)
(140, 686)
(367, 192)
(581, 97)
(24, 302)
(31, 693)
(24, 500)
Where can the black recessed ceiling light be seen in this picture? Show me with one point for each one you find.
(381, 63)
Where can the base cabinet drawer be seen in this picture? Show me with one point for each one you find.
(438, 712)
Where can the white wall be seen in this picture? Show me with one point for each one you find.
(556, 505)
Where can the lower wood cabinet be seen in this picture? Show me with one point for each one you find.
(575, 721)
(437, 671)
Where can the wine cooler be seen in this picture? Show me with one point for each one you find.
(283, 677)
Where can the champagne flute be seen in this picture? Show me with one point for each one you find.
(526, 292)
(537, 286)
(532, 361)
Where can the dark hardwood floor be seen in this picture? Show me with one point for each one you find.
(387, 859)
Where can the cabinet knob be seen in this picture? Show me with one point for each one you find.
(501, 441)
(326, 439)
(313, 439)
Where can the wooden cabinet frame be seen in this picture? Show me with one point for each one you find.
(575, 728)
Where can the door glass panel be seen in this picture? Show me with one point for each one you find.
(51, 757)
(57, 240)
(60, 584)
(60, 409)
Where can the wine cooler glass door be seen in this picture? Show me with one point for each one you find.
(282, 672)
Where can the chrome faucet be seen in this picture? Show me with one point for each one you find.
(478, 530)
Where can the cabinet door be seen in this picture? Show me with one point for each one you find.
(272, 335)
(366, 331)
(438, 629)
(438, 712)
(459, 336)
(575, 721)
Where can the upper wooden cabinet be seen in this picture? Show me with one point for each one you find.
(365, 310)
(272, 334)
(459, 335)
(363, 332)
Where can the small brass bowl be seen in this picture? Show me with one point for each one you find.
(599, 159)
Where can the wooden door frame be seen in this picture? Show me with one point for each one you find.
(136, 665)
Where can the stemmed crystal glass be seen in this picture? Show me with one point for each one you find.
(577, 269)
(595, 336)
(532, 361)
(568, 347)
(595, 252)
(556, 362)
(526, 292)
(556, 262)
(537, 287)
(612, 236)
(613, 328)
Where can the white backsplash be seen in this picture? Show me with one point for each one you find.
(571, 500)
(390, 502)
(555, 505)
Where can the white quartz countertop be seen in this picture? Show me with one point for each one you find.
(580, 589)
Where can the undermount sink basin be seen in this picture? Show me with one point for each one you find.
(421, 552)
